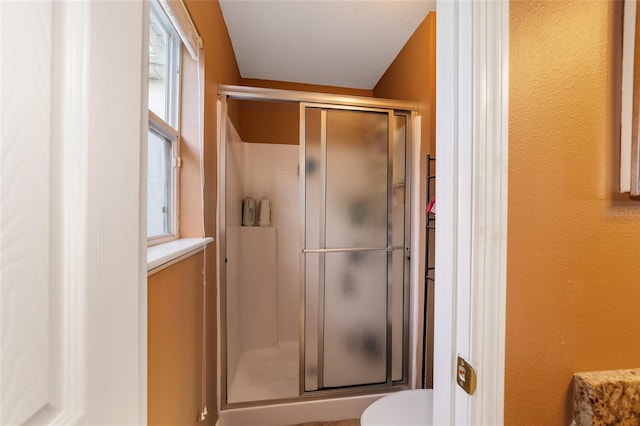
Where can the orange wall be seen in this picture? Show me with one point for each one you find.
(268, 122)
(271, 84)
(573, 262)
(412, 77)
(174, 338)
(271, 122)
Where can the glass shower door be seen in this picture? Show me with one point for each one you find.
(348, 251)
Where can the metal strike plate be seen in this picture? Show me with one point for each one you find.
(466, 376)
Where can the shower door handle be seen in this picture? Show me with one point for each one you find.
(348, 249)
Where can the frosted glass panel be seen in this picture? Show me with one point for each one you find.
(313, 197)
(312, 277)
(397, 314)
(356, 182)
(355, 318)
(313, 178)
(399, 139)
(398, 199)
(398, 194)
(354, 198)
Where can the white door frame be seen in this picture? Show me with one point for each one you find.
(472, 118)
(73, 291)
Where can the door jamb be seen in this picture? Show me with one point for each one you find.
(472, 149)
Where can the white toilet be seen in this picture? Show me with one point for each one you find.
(405, 408)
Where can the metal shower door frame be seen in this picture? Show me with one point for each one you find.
(227, 92)
(391, 113)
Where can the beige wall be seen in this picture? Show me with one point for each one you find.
(573, 268)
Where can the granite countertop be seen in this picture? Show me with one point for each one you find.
(607, 397)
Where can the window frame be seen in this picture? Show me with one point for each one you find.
(169, 129)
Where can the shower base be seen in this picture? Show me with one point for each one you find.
(272, 374)
(266, 373)
(326, 410)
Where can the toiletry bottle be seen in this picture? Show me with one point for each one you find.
(265, 212)
(249, 212)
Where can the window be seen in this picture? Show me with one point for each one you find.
(163, 145)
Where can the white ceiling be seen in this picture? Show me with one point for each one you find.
(342, 43)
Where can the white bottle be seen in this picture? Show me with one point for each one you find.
(265, 212)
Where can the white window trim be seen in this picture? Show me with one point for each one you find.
(160, 126)
(165, 127)
(627, 182)
(162, 256)
(181, 21)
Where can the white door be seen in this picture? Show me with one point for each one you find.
(72, 249)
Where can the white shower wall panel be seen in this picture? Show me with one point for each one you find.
(233, 210)
(257, 263)
(271, 171)
(235, 190)
(233, 300)
(251, 292)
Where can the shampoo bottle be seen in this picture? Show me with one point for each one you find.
(249, 212)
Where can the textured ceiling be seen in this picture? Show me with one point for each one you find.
(329, 42)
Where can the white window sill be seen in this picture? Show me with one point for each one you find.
(163, 255)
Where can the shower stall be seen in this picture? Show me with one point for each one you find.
(315, 296)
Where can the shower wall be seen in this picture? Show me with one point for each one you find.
(262, 269)
(233, 212)
(271, 171)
